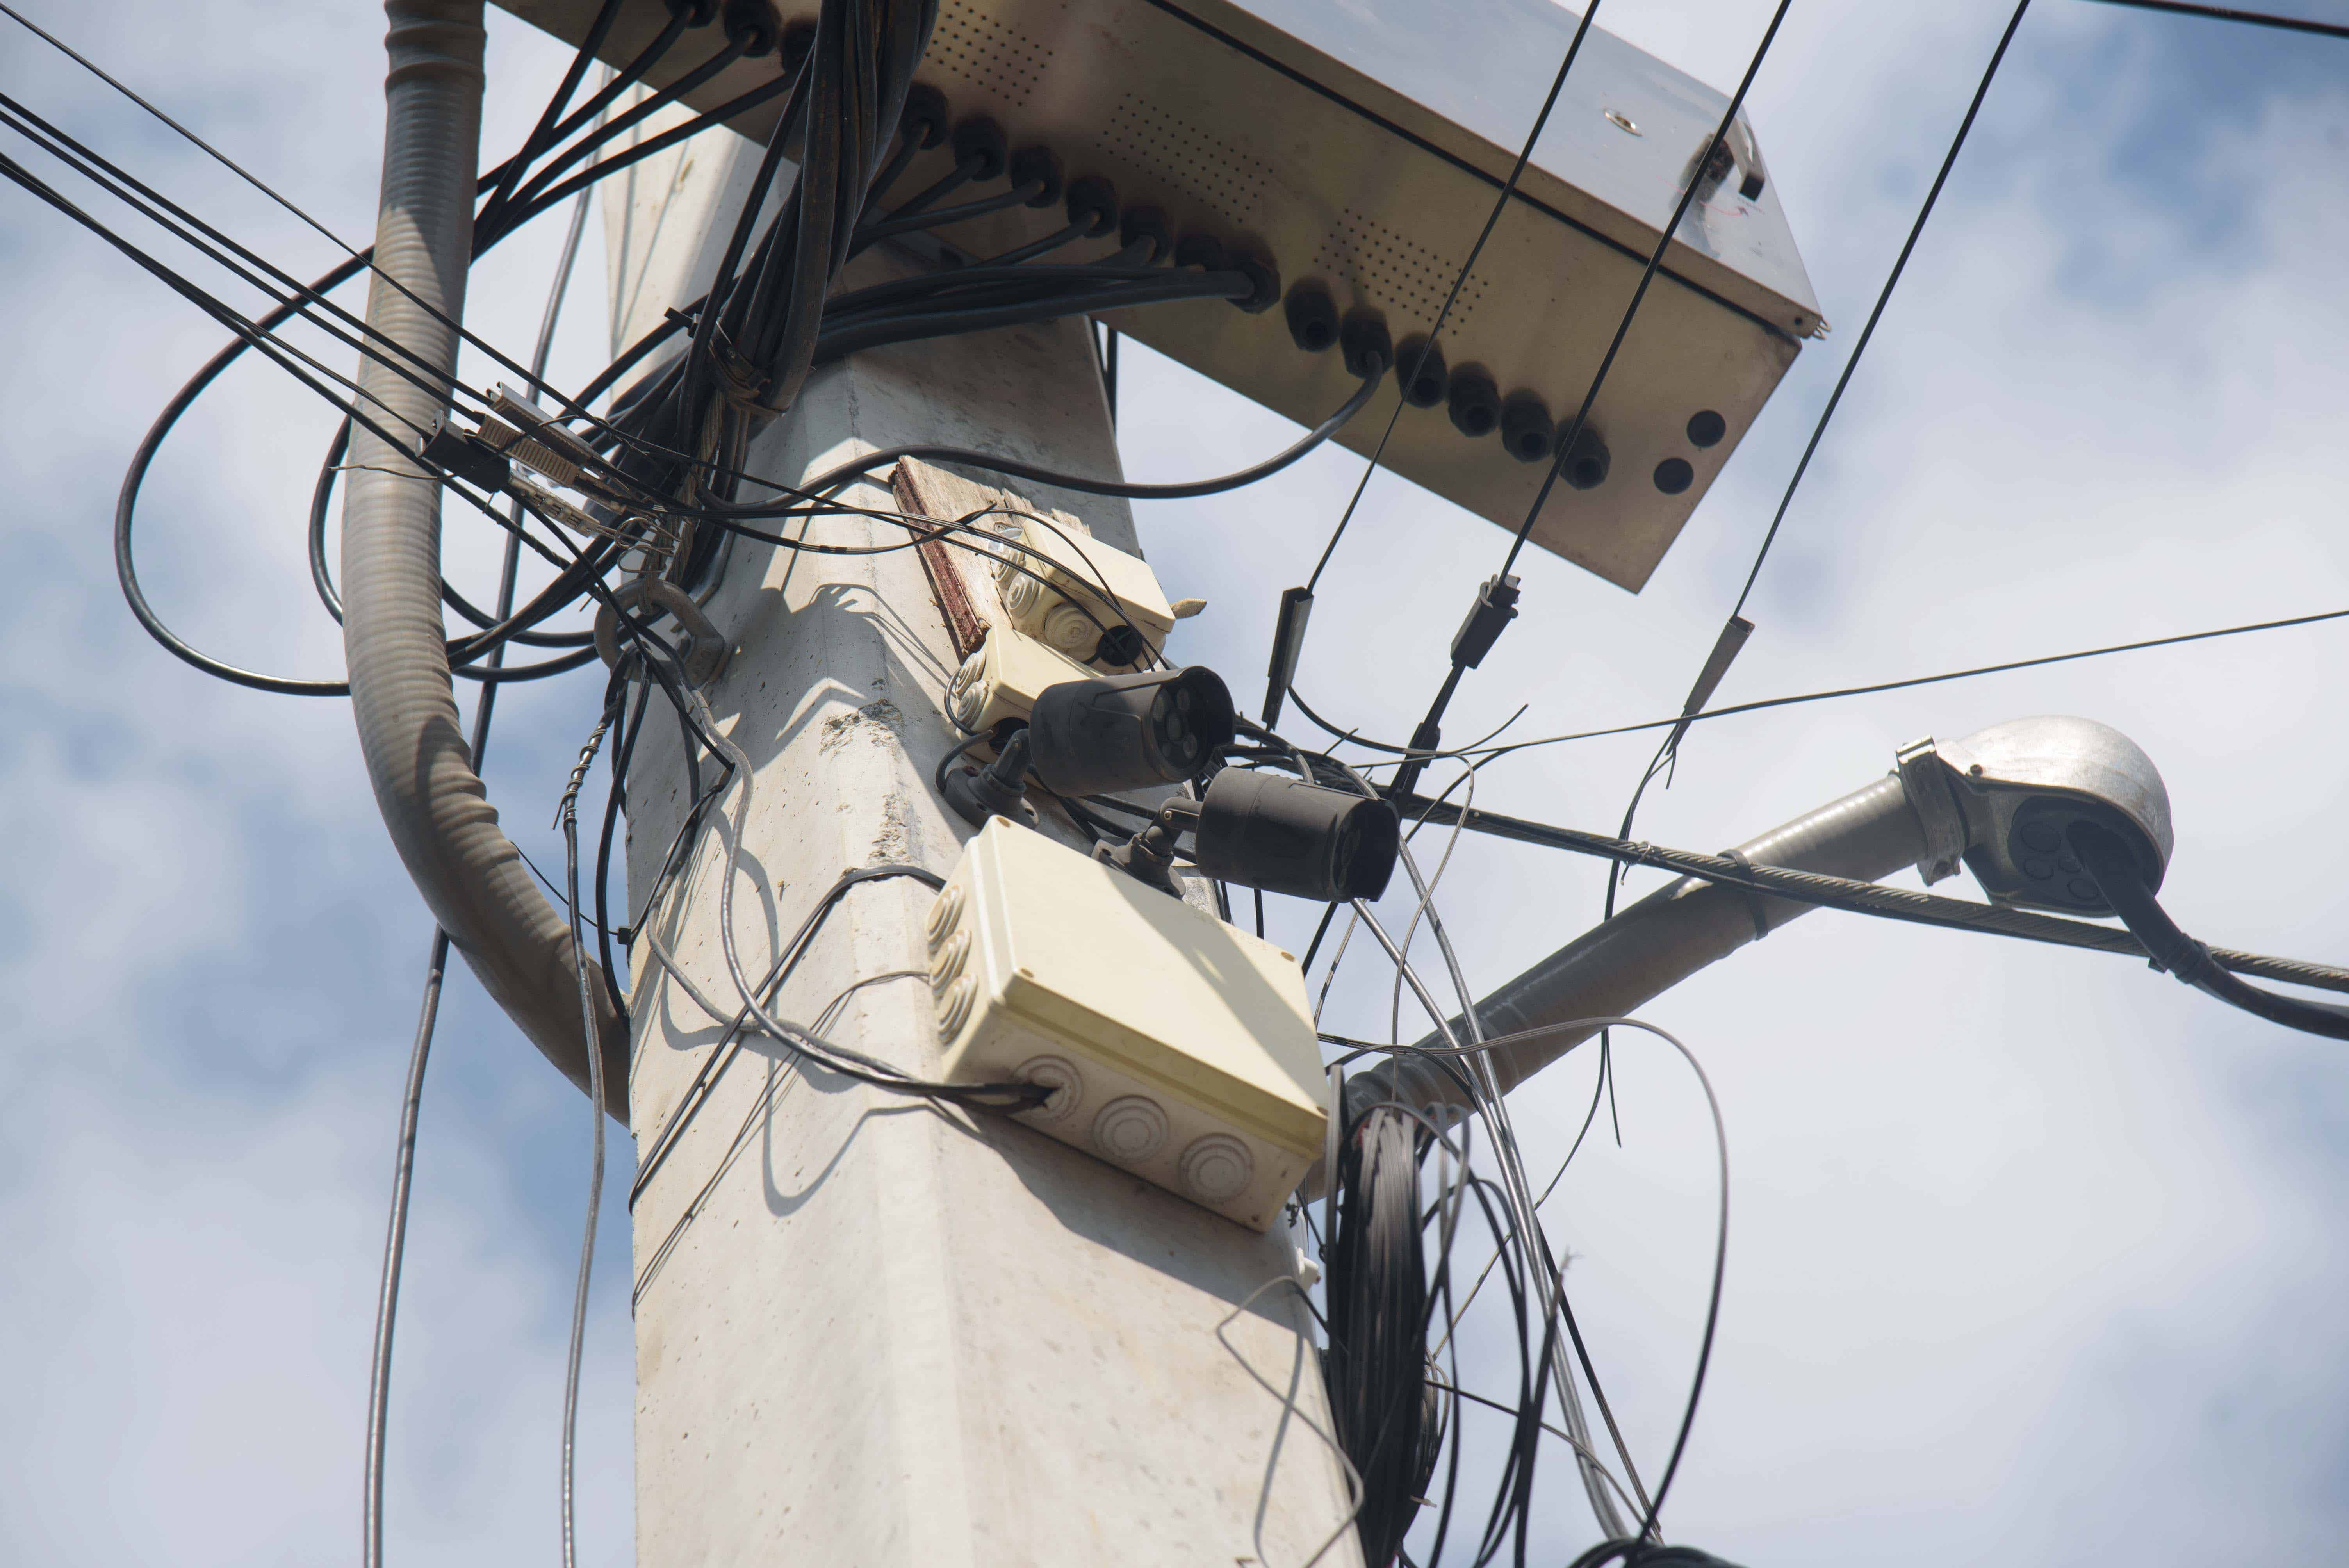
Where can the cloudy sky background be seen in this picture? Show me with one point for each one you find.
(2032, 1251)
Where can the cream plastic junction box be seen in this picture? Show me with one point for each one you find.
(1004, 677)
(1063, 588)
(1179, 1048)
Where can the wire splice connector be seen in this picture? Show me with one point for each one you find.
(1287, 645)
(462, 455)
(1487, 618)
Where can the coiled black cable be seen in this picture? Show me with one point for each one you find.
(1378, 1307)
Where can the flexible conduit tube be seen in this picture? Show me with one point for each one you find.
(441, 818)
(1614, 969)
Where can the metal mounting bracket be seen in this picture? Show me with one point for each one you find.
(1924, 777)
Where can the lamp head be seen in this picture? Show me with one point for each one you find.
(2021, 785)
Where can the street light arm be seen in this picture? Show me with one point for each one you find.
(2000, 803)
(1615, 967)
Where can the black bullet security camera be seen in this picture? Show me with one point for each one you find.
(1128, 732)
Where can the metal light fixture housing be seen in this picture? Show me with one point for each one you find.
(2018, 786)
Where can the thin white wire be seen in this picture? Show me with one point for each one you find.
(1288, 1409)
(1459, 825)
(1516, 1190)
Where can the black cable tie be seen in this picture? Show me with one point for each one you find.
(1754, 907)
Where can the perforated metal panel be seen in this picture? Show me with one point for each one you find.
(1362, 144)
(994, 56)
(1219, 175)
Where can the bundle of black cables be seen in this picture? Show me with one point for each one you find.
(1381, 1400)
(520, 188)
(754, 333)
(676, 441)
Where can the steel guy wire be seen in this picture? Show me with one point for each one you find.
(1500, 205)
(1398, 753)
(1883, 298)
(1570, 435)
(2231, 14)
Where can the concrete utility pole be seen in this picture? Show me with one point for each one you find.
(871, 1330)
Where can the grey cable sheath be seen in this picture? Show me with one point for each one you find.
(436, 968)
(590, 991)
(433, 803)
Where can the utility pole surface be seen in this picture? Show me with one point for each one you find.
(872, 1330)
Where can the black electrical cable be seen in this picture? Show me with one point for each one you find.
(2229, 13)
(857, 468)
(731, 110)
(1883, 298)
(543, 133)
(936, 217)
(837, 341)
(1375, 1364)
(125, 506)
(1425, 733)
(493, 179)
(241, 262)
(214, 153)
(487, 234)
(550, 132)
(1045, 246)
(1569, 435)
(1668, 750)
(910, 145)
(656, 1258)
(658, 1149)
(2115, 865)
(529, 191)
(623, 753)
(1833, 693)
(1864, 897)
(250, 334)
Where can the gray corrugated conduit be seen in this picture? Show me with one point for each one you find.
(471, 876)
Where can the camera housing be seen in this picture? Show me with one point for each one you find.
(1116, 733)
(1267, 830)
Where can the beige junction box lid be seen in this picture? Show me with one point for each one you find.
(1144, 982)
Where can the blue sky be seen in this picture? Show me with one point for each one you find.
(2033, 1251)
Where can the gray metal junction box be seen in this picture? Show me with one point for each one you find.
(1361, 144)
